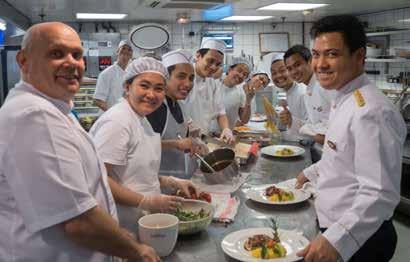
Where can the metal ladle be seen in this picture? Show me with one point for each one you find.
(201, 159)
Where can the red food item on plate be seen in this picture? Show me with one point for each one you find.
(205, 197)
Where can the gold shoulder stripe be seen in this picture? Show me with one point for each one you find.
(359, 98)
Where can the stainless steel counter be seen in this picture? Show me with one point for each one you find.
(206, 246)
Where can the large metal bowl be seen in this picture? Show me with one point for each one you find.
(222, 160)
(194, 226)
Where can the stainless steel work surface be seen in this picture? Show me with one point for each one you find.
(206, 246)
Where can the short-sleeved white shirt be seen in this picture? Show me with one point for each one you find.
(233, 98)
(109, 87)
(204, 102)
(49, 173)
(127, 141)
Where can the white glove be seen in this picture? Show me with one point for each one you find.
(199, 147)
(227, 136)
(186, 186)
(160, 203)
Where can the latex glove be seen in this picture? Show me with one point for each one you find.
(301, 179)
(186, 186)
(192, 145)
(160, 203)
(249, 89)
(193, 130)
(285, 117)
(199, 147)
(319, 249)
(145, 253)
(227, 136)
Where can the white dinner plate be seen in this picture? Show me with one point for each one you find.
(233, 244)
(257, 193)
(258, 118)
(271, 150)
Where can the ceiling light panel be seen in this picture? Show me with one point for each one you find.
(291, 6)
(245, 18)
(97, 16)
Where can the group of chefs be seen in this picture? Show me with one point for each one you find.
(62, 190)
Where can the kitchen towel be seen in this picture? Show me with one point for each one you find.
(225, 206)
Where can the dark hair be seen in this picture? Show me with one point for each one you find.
(170, 69)
(129, 81)
(348, 25)
(301, 50)
(203, 51)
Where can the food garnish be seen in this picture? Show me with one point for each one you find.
(276, 194)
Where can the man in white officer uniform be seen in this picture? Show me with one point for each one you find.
(109, 88)
(171, 122)
(55, 202)
(358, 177)
(204, 103)
(317, 99)
(294, 116)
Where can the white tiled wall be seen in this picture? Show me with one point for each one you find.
(246, 35)
(389, 19)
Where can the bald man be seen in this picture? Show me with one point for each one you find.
(54, 198)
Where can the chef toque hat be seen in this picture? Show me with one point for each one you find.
(241, 60)
(143, 65)
(215, 44)
(179, 56)
(276, 57)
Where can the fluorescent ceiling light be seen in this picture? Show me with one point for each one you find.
(291, 6)
(245, 18)
(405, 20)
(100, 16)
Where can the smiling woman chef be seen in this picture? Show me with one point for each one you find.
(131, 150)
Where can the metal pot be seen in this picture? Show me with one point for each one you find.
(223, 162)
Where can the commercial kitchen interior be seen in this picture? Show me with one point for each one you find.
(387, 24)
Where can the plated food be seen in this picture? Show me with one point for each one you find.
(240, 129)
(264, 246)
(283, 151)
(234, 245)
(276, 194)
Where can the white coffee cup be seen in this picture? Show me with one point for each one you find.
(160, 231)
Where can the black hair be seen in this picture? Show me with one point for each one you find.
(301, 50)
(349, 26)
(129, 81)
(170, 69)
(203, 51)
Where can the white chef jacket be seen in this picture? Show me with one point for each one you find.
(295, 98)
(109, 87)
(49, 173)
(126, 140)
(233, 98)
(358, 177)
(317, 101)
(204, 102)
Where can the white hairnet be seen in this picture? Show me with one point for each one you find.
(241, 60)
(179, 56)
(123, 43)
(276, 57)
(145, 64)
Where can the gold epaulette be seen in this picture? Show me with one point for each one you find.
(359, 98)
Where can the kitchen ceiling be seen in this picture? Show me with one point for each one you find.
(140, 10)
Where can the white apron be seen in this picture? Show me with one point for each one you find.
(142, 173)
(173, 161)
